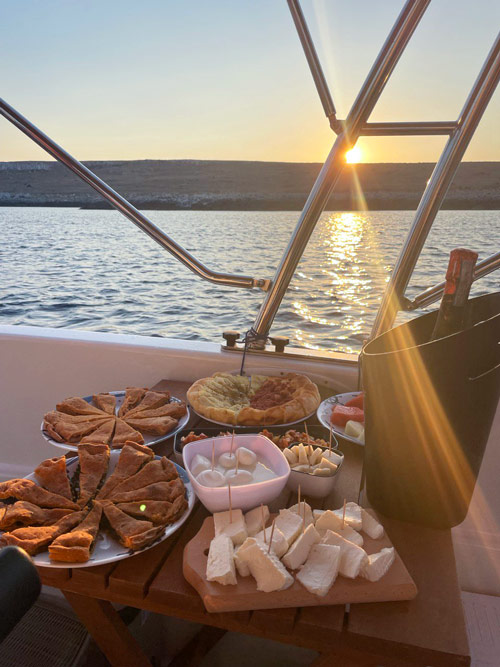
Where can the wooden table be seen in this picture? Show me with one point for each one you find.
(429, 630)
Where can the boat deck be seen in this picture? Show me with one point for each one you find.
(429, 630)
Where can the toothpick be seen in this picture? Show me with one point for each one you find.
(330, 444)
(232, 443)
(230, 503)
(307, 432)
(343, 515)
(213, 455)
(237, 460)
(304, 518)
(272, 533)
(263, 522)
(298, 500)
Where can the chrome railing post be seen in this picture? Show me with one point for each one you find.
(123, 206)
(433, 196)
(371, 90)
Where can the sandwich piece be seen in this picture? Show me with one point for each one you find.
(158, 470)
(102, 435)
(299, 551)
(94, 461)
(26, 489)
(52, 475)
(132, 533)
(220, 563)
(231, 524)
(265, 567)
(78, 406)
(320, 569)
(153, 425)
(279, 544)
(22, 513)
(75, 546)
(132, 457)
(290, 524)
(174, 410)
(352, 558)
(168, 491)
(256, 519)
(304, 508)
(378, 564)
(371, 526)
(133, 396)
(35, 538)
(157, 511)
(125, 433)
(150, 401)
(105, 402)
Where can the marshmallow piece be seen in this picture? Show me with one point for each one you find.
(199, 463)
(246, 457)
(378, 564)
(220, 564)
(299, 551)
(238, 477)
(227, 460)
(352, 557)
(211, 478)
(320, 569)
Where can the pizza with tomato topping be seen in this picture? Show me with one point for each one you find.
(255, 400)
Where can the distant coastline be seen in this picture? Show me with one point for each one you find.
(243, 186)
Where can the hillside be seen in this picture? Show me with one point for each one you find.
(210, 184)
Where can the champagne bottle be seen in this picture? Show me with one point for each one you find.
(452, 311)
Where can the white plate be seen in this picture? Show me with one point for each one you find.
(107, 549)
(149, 440)
(325, 410)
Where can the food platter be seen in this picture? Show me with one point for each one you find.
(149, 440)
(325, 410)
(107, 549)
(247, 428)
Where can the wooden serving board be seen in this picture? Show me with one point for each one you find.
(397, 584)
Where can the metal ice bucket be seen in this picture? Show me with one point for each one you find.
(429, 406)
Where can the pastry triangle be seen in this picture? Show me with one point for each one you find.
(105, 402)
(102, 435)
(132, 457)
(53, 476)
(75, 546)
(159, 470)
(124, 432)
(26, 489)
(157, 511)
(158, 491)
(27, 514)
(34, 538)
(94, 461)
(174, 410)
(154, 425)
(77, 406)
(151, 400)
(133, 396)
(122, 524)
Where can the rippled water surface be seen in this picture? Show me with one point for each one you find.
(95, 270)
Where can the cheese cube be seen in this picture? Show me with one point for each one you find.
(220, 564)
(265, 567)
(317, 514)
(321, 472)
(316, 456)
(253, 519)
(299, 551)
(371, 526)
(350, 535)
(290, 456)
(300, 511)
(352, 515)
(279, 544)
(378, 564)
(235, 529)
(295, 450)
(352, 557)
(241, 566)
(328, 465)
(328, 520)
(302, 467)
(303, 454)
(355, 429)
(290, 525)
(320, 569)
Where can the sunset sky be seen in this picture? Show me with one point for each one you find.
(227, 79)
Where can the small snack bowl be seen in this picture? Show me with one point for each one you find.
(312, 485)
(245, 496)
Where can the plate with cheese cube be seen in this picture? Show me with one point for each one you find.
(344, 415)
(241, 561)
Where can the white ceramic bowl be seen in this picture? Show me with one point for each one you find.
(314, 485)
(249, 495)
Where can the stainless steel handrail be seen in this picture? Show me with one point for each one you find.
(371, 90)
(433, 294)
(437, 188)
(408, 128)
(125, 207)
(314, 64)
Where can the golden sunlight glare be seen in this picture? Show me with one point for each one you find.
(353, 156)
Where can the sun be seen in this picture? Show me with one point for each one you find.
(354, 155)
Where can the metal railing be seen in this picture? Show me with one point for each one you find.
(125, 207)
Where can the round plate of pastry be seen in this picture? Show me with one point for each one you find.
(137, 414)
(254, 400)
(98, 507)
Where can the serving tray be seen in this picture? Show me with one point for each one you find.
(397, 584)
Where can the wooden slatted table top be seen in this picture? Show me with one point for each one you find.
(429, 630)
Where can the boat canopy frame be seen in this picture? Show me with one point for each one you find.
(348, 132)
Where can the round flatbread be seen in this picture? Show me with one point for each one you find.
(257, 400)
